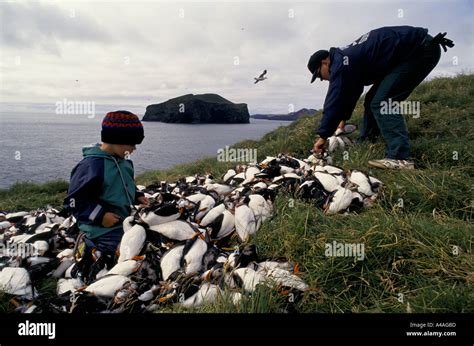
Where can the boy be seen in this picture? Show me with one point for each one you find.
(102, 191)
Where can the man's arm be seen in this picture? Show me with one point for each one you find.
(341, 99)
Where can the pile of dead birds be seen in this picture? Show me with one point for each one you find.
(189, 246)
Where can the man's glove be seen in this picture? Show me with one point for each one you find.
(441, 40)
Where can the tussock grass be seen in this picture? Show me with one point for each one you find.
(418, 237)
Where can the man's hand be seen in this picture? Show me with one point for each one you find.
(110, 219)
(340, 128)
(341, 125)
(318, 147)
(143, 200)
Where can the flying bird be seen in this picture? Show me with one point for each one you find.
(261, 77)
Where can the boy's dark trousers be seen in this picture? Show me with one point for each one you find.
(397, 85)
(98, 253)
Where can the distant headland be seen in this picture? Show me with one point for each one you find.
(285, 117)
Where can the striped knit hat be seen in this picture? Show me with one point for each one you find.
(122, 127)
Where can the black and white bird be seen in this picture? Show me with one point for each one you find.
(261, 77)
(179, 249)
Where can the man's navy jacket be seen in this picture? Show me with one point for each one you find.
(364, 62)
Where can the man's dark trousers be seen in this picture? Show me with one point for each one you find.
(397, 85)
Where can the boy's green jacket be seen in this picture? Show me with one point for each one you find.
(100, 183)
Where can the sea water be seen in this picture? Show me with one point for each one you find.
(42, 147)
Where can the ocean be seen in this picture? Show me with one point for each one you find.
(43, 147)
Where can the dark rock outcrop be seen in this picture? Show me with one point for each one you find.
(286, 117)
(205, 108)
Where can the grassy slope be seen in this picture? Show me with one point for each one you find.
(409, 249)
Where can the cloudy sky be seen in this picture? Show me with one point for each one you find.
(129, 54)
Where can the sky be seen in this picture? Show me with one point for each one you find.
(129, 54)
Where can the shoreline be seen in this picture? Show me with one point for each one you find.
(142, 175)
(147, 158)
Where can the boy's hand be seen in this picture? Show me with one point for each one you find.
(110, 219)
(143, 200)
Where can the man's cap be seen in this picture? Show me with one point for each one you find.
(315, 61)
(122, 127)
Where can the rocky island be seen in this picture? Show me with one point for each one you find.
(195, 109)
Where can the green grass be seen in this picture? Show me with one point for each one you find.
(409, 235)
(26, 196)
(263, 300)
